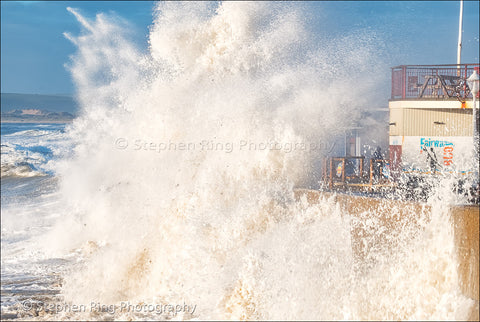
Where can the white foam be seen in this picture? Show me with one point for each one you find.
(216, 228)
(29, 153)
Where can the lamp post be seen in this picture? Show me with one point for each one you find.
(473, 84)
(459, 48)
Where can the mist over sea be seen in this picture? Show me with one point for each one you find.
(171, 195)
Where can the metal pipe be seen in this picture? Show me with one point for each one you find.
(460, 24)
(473, 83)
(475, 132)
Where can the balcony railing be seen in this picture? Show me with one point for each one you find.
(432, 81)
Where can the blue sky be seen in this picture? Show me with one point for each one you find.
(34, 50)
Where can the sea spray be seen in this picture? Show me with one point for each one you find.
(213, 228)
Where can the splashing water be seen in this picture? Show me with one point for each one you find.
(181, 188)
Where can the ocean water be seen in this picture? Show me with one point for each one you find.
(29, 207)
(171, 196)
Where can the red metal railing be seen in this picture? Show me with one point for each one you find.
(431, 81)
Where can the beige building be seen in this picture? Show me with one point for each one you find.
(431, 124)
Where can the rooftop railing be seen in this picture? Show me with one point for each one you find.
(432, 81)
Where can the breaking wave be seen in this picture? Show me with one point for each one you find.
(172, 196)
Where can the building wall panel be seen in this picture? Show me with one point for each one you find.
(450, 122)
(396, 121)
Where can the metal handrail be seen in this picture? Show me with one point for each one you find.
(446, 81)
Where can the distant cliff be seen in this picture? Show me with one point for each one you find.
(37, 108)
(36, 116)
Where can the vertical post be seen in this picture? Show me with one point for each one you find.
(473, 83)
(475, 127)
(371, 171)
(404, 81)
(380, 165)
(361, 168)
(459, 48)
(324, 170)
(331, 174)
(343, 170)
(357, 144)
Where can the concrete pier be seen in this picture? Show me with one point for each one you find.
(391, 217)
(466, 224)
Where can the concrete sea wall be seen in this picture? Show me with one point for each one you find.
(379, 222)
